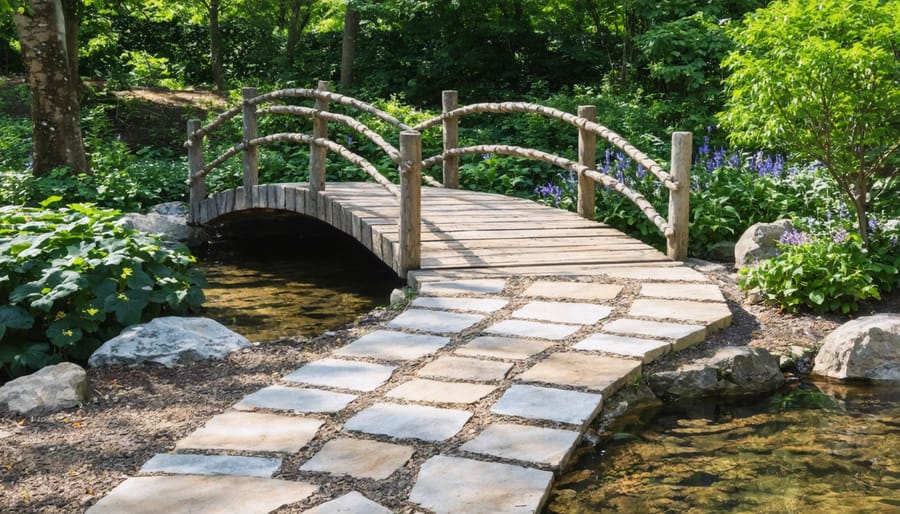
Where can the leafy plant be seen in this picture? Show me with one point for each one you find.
(74, 277)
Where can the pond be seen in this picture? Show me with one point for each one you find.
(814, 447)
(290, 277)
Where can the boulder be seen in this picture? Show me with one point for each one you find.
(730, 372)
(723, 251)
(168, 220)
(49, 389)
(179, 209)
(170, 341)
(867, 347)
(758, 242)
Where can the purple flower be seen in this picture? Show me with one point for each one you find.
(840, 236)
(793, 237)
(873, 225)
(549, 191)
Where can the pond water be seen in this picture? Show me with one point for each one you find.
(814, 447)
(290, 277)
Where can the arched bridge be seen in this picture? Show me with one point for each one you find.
(443, 228)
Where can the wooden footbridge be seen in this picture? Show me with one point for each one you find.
(441, 227)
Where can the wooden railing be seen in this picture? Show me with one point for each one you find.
(408, 157)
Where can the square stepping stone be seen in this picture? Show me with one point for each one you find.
(295, 399)
(538, 445)
(657, 273)
(560, 312)
(533, 402)
(514, 327)
(351, 503)
(344, 374)
(252, 431)
(184, 464)
(462, 287)
(189, 494)
(439, 322)
(681, 336)
(452, 485)
(573, 290)
(359, 458)
(499, 347)
(394, 346)
(461, 368)
(648, 350)
(409, 421)
(595, 372)
(714, 315)
(698, 292)
(421, 390)
(485, 305)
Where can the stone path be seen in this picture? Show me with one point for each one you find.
(469, 401)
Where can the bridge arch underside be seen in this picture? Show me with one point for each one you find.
(462, 231)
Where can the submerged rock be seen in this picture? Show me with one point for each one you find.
(730, 372)
(50, 389)
(867, 347)
(169, 341)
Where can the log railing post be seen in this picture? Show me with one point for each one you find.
(195, 165)
(587, 156)
(679, 200)
(317, 154)
(450, 101)
(250, 153)
(410, 201)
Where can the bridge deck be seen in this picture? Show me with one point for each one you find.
(467, 231)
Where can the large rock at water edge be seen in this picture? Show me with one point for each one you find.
(49, 389)
(867, 347)
(759, 242)
(168, 220)
(169, 341)
(730, 372)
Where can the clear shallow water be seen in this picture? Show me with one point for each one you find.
(271, 281)
(816, 447)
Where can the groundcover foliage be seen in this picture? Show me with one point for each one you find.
(73, 277)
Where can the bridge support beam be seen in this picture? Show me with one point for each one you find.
(317, 153)
(410, 202)
(587, 156)
(251, 153)
(679, 200)
(450, 101)
(195, 166)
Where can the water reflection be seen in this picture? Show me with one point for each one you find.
(813, 447)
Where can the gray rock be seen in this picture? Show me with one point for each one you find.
(169, 341)
(723, 251)
(730, 372)
(758, 242)
(398, 296)
(168, 220)
(867, 347)
(50, 389)
(179, 209)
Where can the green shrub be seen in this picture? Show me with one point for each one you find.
(74, 277)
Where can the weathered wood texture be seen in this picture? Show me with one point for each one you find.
(410, 243)
(679, 199)
(587, 156)
(450, 132)
(464, 231)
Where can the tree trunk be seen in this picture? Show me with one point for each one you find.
(215, 45)
(296, 25)
(348, 46)
(55, 109)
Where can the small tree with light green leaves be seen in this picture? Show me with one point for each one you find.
(821, 79)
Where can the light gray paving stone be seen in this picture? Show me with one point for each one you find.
(438, 322)
(539, 445)
(516, 348)
(188, 464)
(252, 431)
(351, 503)
(390, 345)
(464, 286)
(359, 458)
(277, 397)
(484, 305)
(190, 494)
(409, 421)
(357, 376)
(453, 485)
(699, 292)
(573, 290)
(648, 350)
(515, 327)
(657, 273)
(595, 372)
(534, 402)
(422, 390)
(681, 336)
(462, 368)
(563, 312)
(714, 315)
